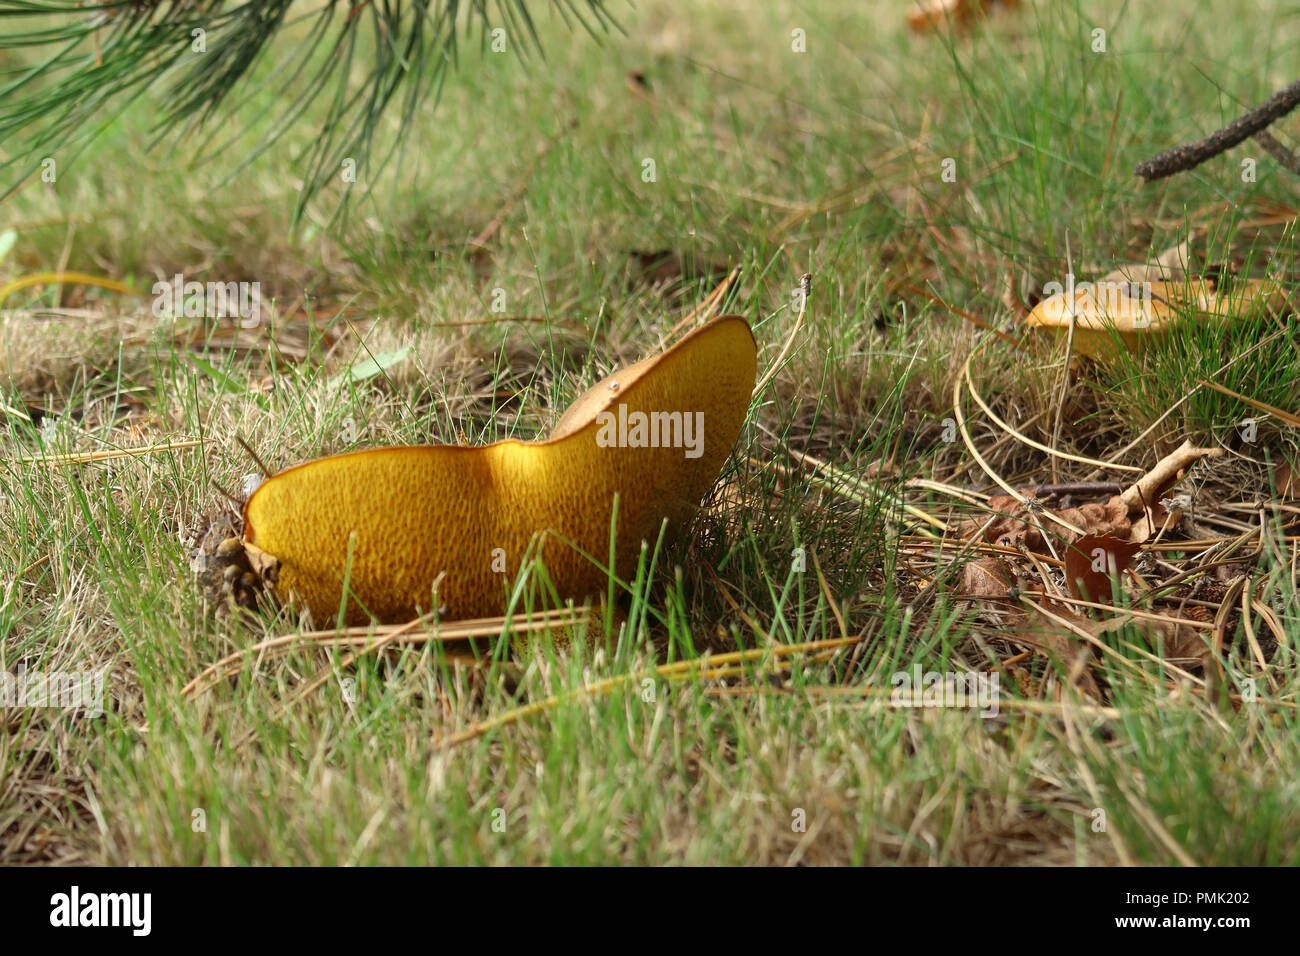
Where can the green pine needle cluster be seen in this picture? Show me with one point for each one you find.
(362, 57)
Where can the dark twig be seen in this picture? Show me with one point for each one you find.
(1191, 155)
(1090, 488)
(237, 502)
(266, 472)
(1284, 156)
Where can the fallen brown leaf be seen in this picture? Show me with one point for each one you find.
(986, 578)
(1093, 565)
(1179, 644)
(1063, 645)
(1018, 528)
(1286, 479)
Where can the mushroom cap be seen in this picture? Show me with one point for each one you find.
(399, 521)
(1136, 313)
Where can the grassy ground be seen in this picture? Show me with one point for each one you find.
(778, 162)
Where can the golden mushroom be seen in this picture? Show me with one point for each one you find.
(418, 528)
(1108, 313)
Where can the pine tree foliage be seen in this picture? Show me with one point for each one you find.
(86, 61)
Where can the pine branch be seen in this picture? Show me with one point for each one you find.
(198, 57)
(1191, 155)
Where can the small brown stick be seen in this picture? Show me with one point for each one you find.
(266, 472)
(1073, 488)
(1191, 155)
(841, 691)
(1285, 158)
(237, 502)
